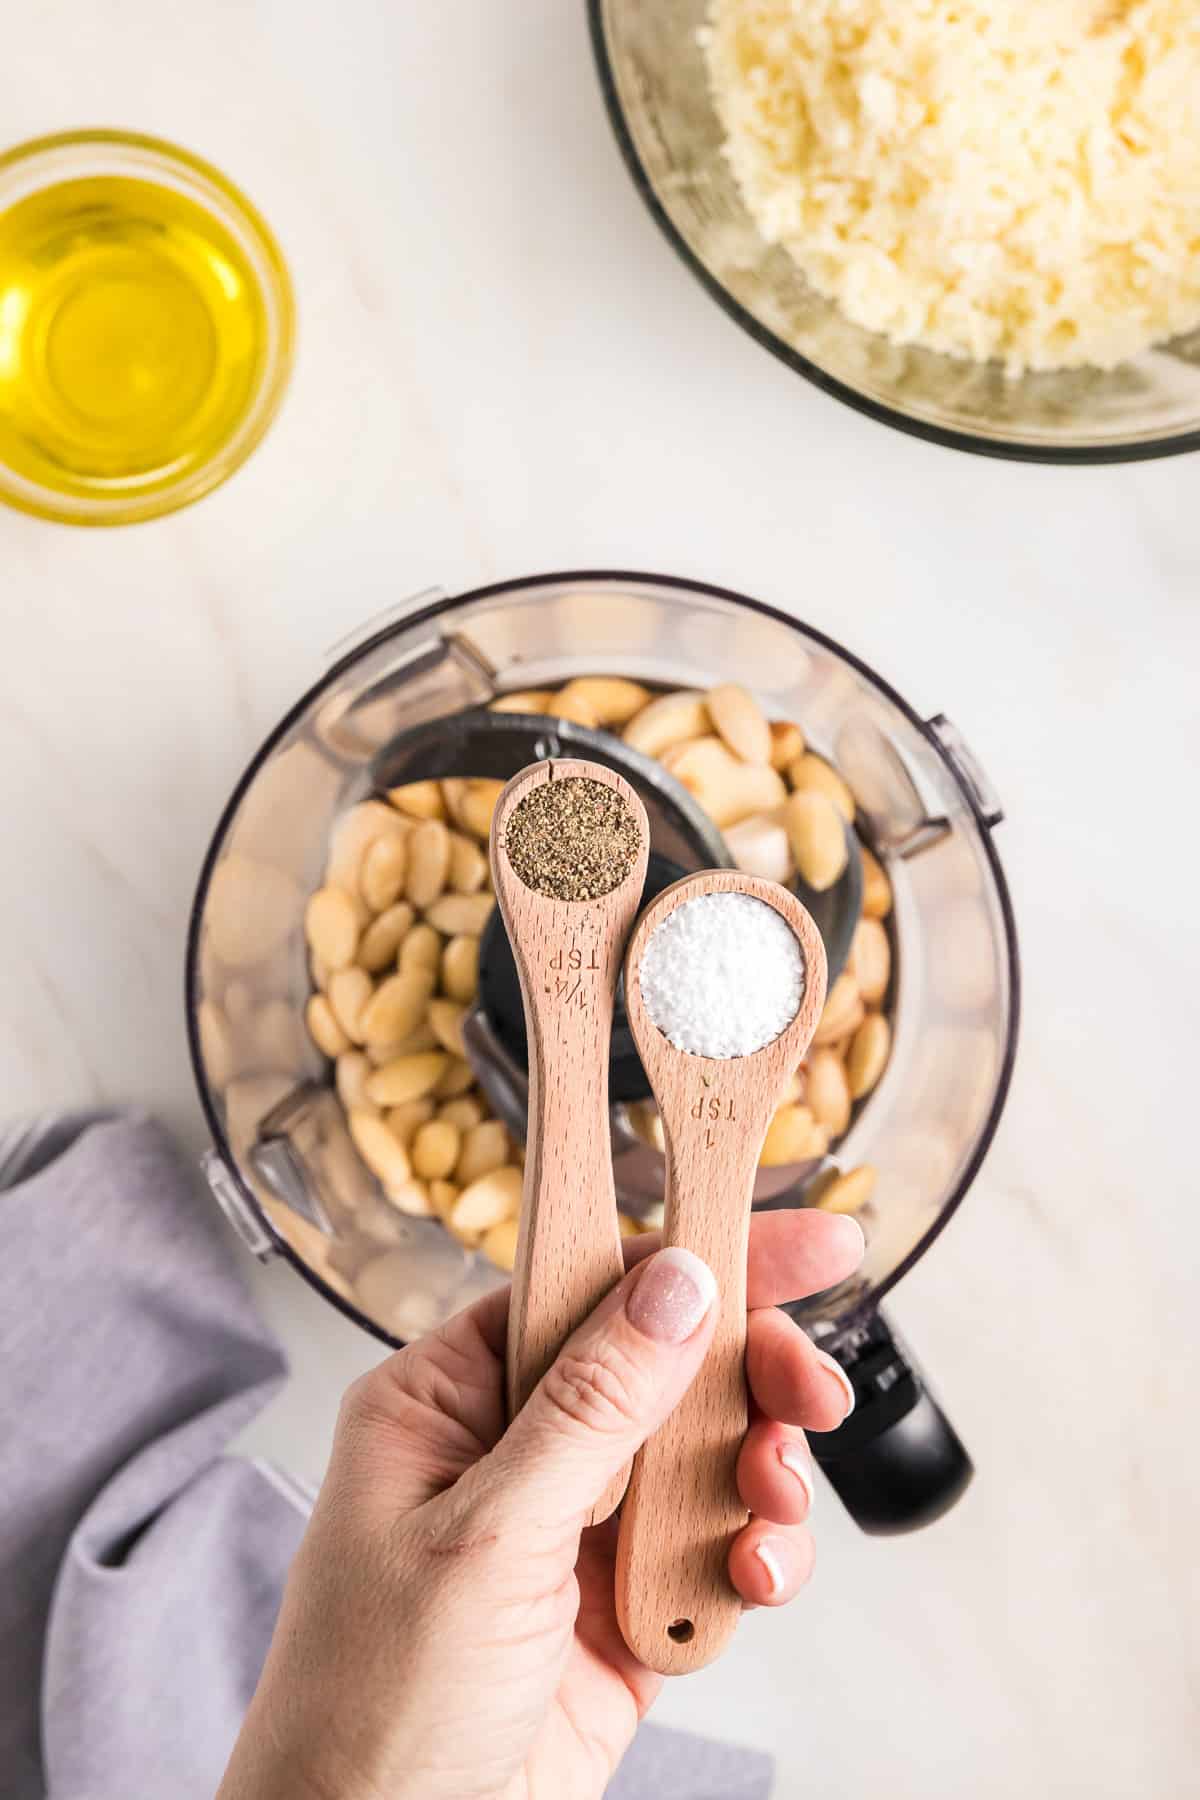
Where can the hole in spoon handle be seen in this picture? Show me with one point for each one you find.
(675, 1602)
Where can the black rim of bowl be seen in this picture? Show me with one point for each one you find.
(1075, 454)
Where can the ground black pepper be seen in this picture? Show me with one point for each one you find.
(573, 839)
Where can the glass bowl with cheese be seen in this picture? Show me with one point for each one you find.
(985, 241)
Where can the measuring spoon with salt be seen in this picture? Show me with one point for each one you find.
(749, 991)
(569, 846)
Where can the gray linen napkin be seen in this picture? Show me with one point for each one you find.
(140, 1567)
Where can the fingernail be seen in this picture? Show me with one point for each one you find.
(671, 1296)
(839, 1374)
(773, 1553)
(796, 1463)
(852, 1231)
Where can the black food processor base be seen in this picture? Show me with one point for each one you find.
(897, 1463)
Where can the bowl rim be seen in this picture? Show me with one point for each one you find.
(427, 607)
(1072, 455)
(274, 282)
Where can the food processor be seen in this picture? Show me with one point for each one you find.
(407, 699)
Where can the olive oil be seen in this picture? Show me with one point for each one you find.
(133, 334)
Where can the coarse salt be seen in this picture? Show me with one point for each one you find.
(722, 975)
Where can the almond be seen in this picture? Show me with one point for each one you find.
(817, 834)
(740, 722)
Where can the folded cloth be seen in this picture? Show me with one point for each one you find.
(140, 1567)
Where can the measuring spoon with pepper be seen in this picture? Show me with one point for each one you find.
(569, 846)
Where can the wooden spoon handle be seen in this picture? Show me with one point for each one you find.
(568, 957)
(676, 1605)
(569, 1247)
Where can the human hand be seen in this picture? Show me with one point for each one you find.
(448, 1630)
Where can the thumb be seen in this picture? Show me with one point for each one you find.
(612, 1385)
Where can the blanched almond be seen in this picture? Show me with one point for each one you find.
(647, 1122)
(383, 937)
(351, 836)
(476, 806)
(421, 951)
(671, 719)
(843, 1012)
(484, 1148)
(455, 1079)
(405, 1120)
(460, 968)
(759, 846)
(484, 1203)
(850, 1192)
(811, 774)
(445, 1019)
(323, 1027)
(461, 915)
(739, 720)
(787, 743)
(350, 1078)
(870, 960)
(332, 923)
(626, 1226)
(470, 1240)
(443, 1195)
(827, 1091)
(421, 1038)
(817, 836)
(434, 1150)
(877, 889)
(468, 865)
(406, 1078)
(500, 1245)
(428, 863)
(611, 699)
(453, 789)
(411, 1197)
(397, 1007)
(794, 1136)
(464, 1112)
(727, 789)
(379, 1148)
(794, 1088)
(419, 799)
(381, 876)
(350, 992)
(868, 1054)
(576, 710)
(525, 700)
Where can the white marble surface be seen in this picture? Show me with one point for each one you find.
(504, 369)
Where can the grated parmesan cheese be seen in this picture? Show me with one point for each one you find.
(983, 177)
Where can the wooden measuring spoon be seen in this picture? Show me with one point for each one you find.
(675, 1602)
(568, 957)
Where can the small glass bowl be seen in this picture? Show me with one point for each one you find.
(77, 155)
(655, 84)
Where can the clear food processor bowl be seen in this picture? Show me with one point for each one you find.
(283, 1166)
(656, 86)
